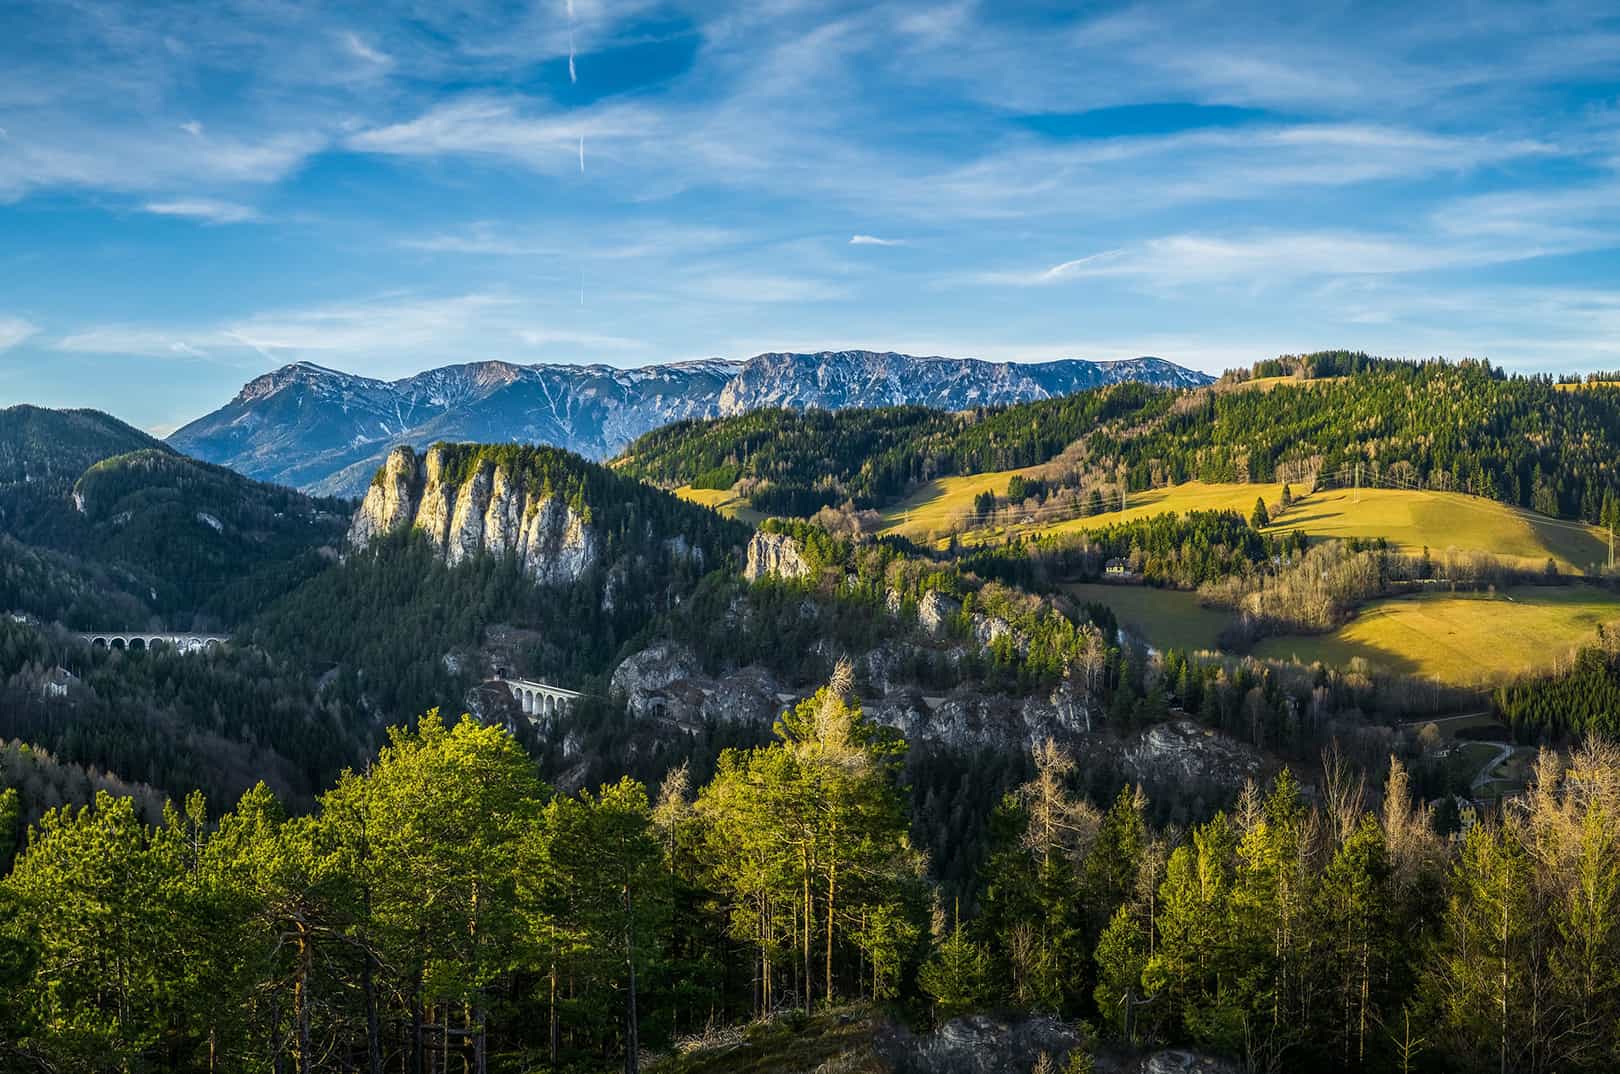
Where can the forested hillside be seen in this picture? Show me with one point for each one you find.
(44, 452)
(1001, 802)
(1461, 426)
(792, 462)
(106, 528)
(447, 907)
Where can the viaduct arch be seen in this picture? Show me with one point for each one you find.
(140, 641)
(541, 699)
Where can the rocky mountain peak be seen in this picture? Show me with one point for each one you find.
(325, 431)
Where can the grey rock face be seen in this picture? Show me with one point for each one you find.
(979, 1044)
(485, 513)
(1183, 1062)
(774, 555)
(324, 431)
(665, 682)
(967, 719)
(935, 610)
(1182, 751)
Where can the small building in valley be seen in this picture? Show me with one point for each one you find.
(1118, 567)
(59, 681)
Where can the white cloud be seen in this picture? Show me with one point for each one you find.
(364, 327)
(617, 242)
(363, 51)
(730, 288)
(873, 240)
(549, 337)
(487, 126)
(124, 157)
(206, 209)
(390, 335)
(13, 330)
(1273, 255)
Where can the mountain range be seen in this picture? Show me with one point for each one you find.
(327, 432)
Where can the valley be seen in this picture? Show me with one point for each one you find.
(793, 538)
(924, 647)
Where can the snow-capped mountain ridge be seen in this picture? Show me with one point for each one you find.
(327, 431)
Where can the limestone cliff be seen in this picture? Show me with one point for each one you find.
(464, 511)
(774, 555)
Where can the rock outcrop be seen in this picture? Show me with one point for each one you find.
(1183, 752)
(666, 682)
(484, 511)
(936, 610)
(978, 1044)
(969, 719)
(774, 555)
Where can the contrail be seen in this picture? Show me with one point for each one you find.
(582, 154)
(573, 75)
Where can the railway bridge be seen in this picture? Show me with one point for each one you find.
(541, 698)
(139, 641)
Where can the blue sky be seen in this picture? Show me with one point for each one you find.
(191, 194)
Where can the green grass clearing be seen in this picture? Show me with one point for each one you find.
(1460, 638)
(1164, 618)
(1410, 520)
(725, 501)
(936, 506)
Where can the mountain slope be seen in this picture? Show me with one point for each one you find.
(565, 558)
(328, 432)
(43, 452)
(793, 462)
(103, 526)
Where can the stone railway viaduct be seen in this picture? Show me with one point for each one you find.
(540, 698)
(137, 641)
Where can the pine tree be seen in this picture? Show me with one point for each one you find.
(956, 975)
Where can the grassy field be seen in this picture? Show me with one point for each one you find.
(1266, 384)
(931, 511)
(1441, 520)
(725, 501)
(1410, 520)
(938, 504)
(1461, 638)
(1164, 618)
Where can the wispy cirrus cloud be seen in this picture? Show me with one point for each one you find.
(209, 210)
(513, 128)
(390, 335)
(13, 330)
(562, 337)
(873, 240)
(1272, 255)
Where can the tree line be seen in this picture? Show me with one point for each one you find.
(445, 906)
(1449, 426)
(1170, 549)
(790, 462)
